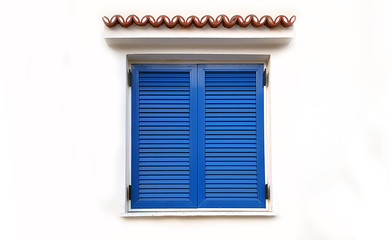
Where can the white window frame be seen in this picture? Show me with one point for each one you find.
(200, 59)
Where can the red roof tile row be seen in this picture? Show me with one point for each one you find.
(227, 22)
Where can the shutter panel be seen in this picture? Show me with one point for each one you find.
(164, 136)
(231, 136)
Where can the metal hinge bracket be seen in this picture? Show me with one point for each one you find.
(265, 77)
(267, 191)
(129, 192)
(129, 78)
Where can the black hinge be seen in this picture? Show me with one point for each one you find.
(267, 192)
(265, 78)
(129, 192)
(129, 78)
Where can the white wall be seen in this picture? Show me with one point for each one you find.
(62, 123)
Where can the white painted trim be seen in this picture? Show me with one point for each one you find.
(267, 136)
(207, 213)
(203, 58)
(195, 58)
(128, 138)
(191, 37)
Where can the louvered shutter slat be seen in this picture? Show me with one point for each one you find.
(231, 153)
(164, 134)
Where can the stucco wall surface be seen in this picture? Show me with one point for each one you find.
(62, 123)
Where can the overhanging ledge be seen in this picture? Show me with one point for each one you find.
(201, 37)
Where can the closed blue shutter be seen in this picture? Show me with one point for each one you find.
(164, 136)
(231, 136)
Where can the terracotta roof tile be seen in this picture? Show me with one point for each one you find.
(227, 22)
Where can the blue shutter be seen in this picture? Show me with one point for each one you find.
(231, 136)
(164, 136)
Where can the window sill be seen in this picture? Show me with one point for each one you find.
(198, 213)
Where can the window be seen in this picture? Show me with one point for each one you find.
(197, 136)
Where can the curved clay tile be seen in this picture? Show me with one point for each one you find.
(200, 22)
